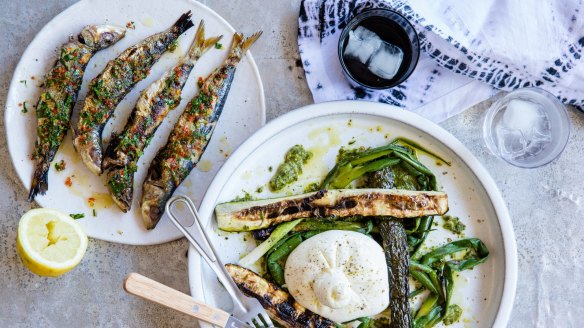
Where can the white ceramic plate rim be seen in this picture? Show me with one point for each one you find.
(386, 111)
(12, 88)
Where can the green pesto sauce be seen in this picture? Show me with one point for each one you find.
(348, 154)
(312, 187)
(246, 197)
(453, 314)
(290, 170)
(453, 224)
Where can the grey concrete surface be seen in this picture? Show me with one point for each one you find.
(545, 203)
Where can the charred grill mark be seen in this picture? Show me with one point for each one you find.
(346, 204)
(263, 234)
(304, 205)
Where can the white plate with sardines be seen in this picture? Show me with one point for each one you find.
(359, 214)
(112, 106)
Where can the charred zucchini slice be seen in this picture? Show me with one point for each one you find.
(339, 203)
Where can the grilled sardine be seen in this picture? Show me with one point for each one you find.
(61, 88)
(280, 305)
(121, 158)
(190, 135)
(113, 84)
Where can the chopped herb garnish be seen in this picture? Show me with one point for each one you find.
(24, 109)
(173, 45)
(94, 212)
(23, 82)
(77, 216)
(218, 45)
(60, 166)
(260, 189)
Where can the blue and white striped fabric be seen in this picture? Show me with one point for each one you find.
(470, 49)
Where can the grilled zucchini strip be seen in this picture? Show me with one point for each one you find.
(253, 215)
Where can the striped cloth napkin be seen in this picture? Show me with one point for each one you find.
(470, 49)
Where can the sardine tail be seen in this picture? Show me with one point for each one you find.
(183, 23)
(236, 43)
(201, 45)
(39, 184)
(249, 41)
(240, 45)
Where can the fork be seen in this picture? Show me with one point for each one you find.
(246, 309)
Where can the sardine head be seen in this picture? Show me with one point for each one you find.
(99, 37)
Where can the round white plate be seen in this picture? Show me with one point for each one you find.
(485, 293)
(243, 114)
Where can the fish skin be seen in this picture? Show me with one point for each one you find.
(190, 135)
(108, 89)
(164, 95)
(57, 100)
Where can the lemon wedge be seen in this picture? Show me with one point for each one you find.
(49, 242)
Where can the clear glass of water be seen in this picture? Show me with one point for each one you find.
(528, 127)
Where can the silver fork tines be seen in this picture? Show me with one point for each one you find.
(245, 309)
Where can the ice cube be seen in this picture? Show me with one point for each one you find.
(512, 143)
(385, 62)
(524, 116)
(362, 44)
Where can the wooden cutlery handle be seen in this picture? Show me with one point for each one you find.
(151, 290)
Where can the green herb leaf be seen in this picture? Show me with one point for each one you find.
(77, 216)
(218, 45)
(60, 166)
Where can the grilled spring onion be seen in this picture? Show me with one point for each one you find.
(280, 232)
(437, 306)
(353, 165)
